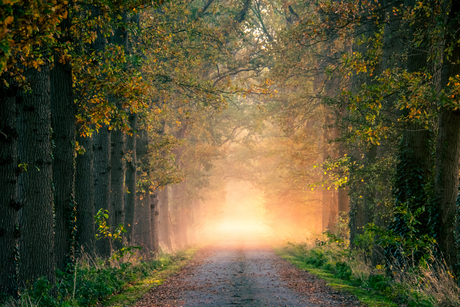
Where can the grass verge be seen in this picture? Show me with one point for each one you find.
(133, 292)
(365, 293)
(95, 282)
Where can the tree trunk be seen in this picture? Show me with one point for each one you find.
(446, 182)
(84, 196)
(102, 182)
(165, 226)
(120, 38)
(154, 221)
(143, 226)
(342, 194)
(178, 196)
(447, 148)
(101, 153)
(344, 205)
(131, 179)
(184, 212)
(175, 217)
(63, 123)
(193, 221)
(330, 204)
(36, 243)
(380, 212)
(362, 194)
(9, 205)
(414, 167)
(392, 53)
(118, 181)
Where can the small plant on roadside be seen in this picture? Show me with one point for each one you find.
(103, 231)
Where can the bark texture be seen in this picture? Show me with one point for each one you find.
(130, 199)
(446, 183)
(154, 221)
(120, 38)
(414, 167)
(143, 226)
(164, 223)
(63, 123)
(36, 242)
(118, 181)
(102, 184)
(391, 58)
(329, 197)
(8, 192)
(84, 196)
(343, 203)
(447, 147)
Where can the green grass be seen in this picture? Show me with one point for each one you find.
(367, 296)
(134, 292)
(100, 283)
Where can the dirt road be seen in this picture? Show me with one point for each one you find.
(243, 273)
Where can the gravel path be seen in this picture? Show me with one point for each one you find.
(243, 273)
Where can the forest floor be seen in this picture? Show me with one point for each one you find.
(243, 273)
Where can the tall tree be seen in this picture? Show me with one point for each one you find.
(143, 226)
(120, 38)
(131, 179)
(448, 142)
(415, 163)
(164, 218)
(63, 122)
(8, 191)
(102, 149)
(36, 243)
(102, 183)
(84, 195)
(154, 222)
(118, 179)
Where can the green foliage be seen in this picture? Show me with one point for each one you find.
(365, 242)
(343, 263)
(412, 243)
(89, 285)
(402, 281)
(103, 231)
(103, 228)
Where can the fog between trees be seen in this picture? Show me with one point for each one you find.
(190, 121)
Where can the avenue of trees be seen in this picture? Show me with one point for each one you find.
(137, 112)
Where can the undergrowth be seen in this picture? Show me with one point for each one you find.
(92, 281)
(398, 283)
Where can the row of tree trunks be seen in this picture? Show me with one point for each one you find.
(48, 194)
